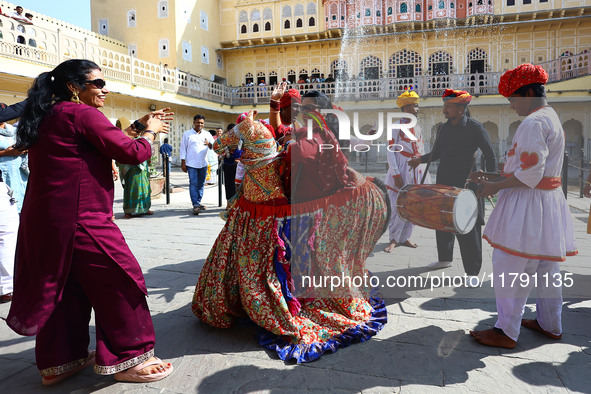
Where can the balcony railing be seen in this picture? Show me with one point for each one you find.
(49, 47)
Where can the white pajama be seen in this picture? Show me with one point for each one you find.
(517, 276)
(8, 234)
(400, 230)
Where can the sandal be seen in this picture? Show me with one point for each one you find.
(53, 379)
(132, 374)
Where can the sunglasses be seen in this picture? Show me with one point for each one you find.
(98, 83)
(310, 107)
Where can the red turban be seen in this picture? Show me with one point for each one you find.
(457, 96)
(286, 99)
(521, 76)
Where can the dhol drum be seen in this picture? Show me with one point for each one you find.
(439, 207)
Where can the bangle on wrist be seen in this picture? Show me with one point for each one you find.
(151, 132)
(274, 112)
(274, 105)
(277, 101)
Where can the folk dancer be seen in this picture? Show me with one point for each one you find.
(531, 228)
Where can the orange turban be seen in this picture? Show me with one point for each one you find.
(287, 96)
(457, 96)
(521, 76)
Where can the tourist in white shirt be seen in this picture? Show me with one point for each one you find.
(194, 146)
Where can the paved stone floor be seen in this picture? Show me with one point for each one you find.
(425, 347)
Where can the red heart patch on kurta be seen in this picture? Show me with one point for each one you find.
(512, 151)
(528, 160)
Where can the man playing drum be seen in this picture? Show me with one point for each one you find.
(455, 147)
(400, 173)
(531, 228)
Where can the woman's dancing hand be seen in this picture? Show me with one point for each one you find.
(279, 91)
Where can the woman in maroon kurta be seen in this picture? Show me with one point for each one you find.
(71, 257)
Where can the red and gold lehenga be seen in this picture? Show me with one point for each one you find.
(255, 267)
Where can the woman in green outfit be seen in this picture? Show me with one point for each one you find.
(136, 184)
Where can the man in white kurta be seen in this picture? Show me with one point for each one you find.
(400, 150)
(530, 228)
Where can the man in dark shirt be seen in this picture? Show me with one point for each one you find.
(12, 111)
(455, 147)
(165, 151)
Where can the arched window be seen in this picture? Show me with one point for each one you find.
(299, 23)
(477, 61)
(286, 25)
(286, 11)
(255, 28)
(311, 9)
(418, 8)
(451, 5)
(389, 11)
(243, 29)
(371, 67)
(299, 10)
(403, 8)
(404, 64)
(267, 13)
(367, 12)
(268, 26)
(311, 22)
(442, 4)
(333, 12)
(291, 76)
(255, 15)
(243, 16)
(378, 13)
(338, 68)
(440, 63)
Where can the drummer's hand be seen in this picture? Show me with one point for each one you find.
(487, 189)
(476, 177)
(414, 162)
(398, 182)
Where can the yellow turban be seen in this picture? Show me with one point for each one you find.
(406, 98)
(123, 123)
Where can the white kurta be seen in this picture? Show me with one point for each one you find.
(534, 222)
(400, 231)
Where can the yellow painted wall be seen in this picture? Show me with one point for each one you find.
(181, 24)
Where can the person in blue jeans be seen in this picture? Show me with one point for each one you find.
(194, 146)
(165, 151)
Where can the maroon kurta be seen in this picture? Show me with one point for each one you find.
(71, 185)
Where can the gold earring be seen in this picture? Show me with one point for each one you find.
(75, 98)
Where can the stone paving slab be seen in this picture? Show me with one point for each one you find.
(424, 348)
